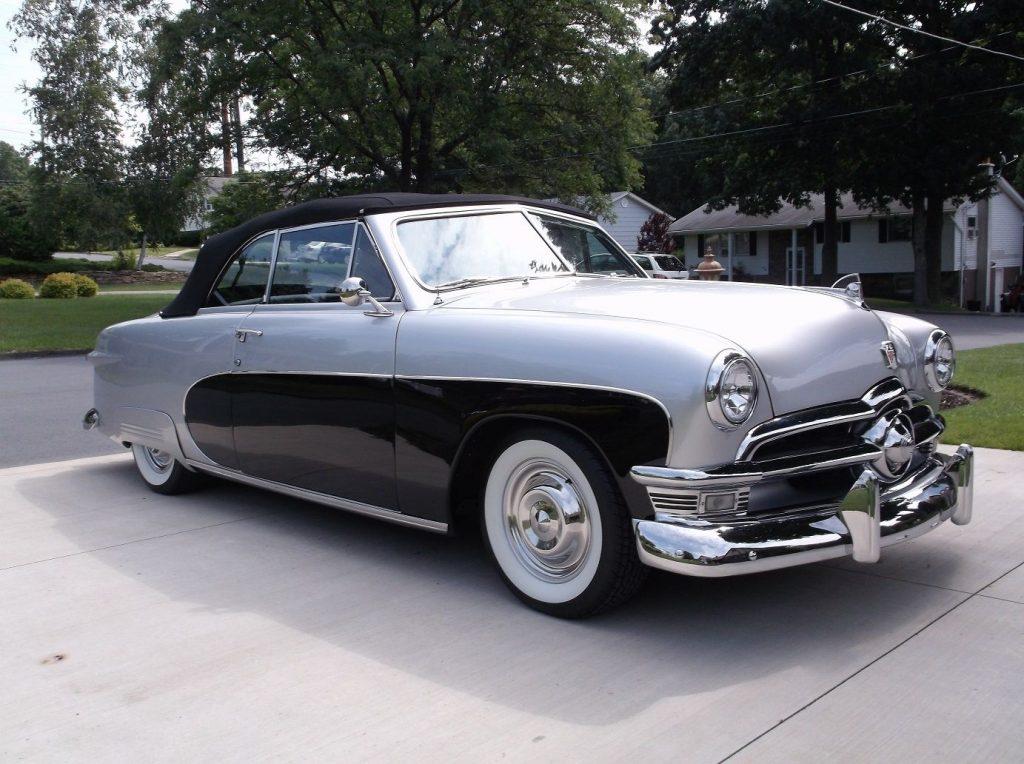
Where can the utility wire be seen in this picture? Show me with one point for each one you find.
(915, 30)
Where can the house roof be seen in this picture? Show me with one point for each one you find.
(788, 216)
(617, 195)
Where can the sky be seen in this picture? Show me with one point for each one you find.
(16, 68)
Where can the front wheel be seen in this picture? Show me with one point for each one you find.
(557, 527)
(162, 472)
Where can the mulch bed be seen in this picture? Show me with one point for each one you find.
(956, 396)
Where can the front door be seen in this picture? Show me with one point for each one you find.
(312, 388)
(795, 266)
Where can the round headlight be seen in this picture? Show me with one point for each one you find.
(731, 389)
(939, 360)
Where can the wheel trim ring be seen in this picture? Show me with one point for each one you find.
(547, 520)
(159, 461)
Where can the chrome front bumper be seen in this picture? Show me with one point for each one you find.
(871, 516)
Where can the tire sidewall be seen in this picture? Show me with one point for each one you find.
(146, 470)
(555, 597)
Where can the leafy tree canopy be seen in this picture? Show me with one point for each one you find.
(514, 95)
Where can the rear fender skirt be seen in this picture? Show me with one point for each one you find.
(435, 417)
(147, 428)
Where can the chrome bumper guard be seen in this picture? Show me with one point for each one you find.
(871, 516)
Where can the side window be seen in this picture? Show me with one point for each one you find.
(312, 263)
(245, 280)
(367, 265)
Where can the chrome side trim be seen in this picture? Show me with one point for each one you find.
(582, 385)
(357, 507)
(875, 399)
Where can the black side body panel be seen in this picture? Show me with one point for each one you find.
(332, 434)
(208, 415)
(434, 417)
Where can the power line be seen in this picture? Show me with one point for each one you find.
(915, 30)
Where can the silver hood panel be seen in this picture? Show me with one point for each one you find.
(812, 348)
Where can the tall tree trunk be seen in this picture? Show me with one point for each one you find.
(236, 124)
(933, 245)
(142, 253)
(830, 247)
(919, 217)
(225, 137)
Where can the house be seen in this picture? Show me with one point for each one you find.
(630, 212)
(785, 248)
(213, 185)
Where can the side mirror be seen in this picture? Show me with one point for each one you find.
(353, 292)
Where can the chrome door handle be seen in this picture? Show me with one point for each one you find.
(240, 333)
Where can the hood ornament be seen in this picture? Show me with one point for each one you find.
(889, 354)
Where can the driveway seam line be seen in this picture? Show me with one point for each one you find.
(126, 543)
(871, 663)
(900, 580)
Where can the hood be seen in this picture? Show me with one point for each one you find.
(811, 347)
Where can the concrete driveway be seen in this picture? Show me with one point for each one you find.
(971, 330)
(234, 624)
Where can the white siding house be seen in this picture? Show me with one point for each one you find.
(873, 244)
(629, 213)
(214, 185)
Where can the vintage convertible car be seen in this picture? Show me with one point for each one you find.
(501, 359)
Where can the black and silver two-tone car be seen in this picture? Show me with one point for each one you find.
(500, 359)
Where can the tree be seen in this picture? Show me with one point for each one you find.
(19, 238)
(79, 156)
(430, 96)
(806, 97)
(770, 84)
(244, 198)
(654, 235)
(950, 109)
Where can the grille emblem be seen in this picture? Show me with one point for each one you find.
(889, 354)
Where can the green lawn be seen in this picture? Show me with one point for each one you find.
(996, 421)
(904, 306)
(68, 324)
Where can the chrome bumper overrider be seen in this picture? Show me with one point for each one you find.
(871, 516)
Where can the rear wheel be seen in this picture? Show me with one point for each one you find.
(162, 472)
(557, 527)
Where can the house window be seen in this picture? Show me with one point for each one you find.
(744, 242)
(972, 227)
(899, 228)
(842, 232)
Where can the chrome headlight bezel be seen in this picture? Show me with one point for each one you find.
(937, 340)
(725, 362)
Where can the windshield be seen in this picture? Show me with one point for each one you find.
(464, 249)
(670, 263)
(588, 249)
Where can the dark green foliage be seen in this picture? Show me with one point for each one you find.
(243, 199)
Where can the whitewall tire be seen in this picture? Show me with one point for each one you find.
(162, 472)
(556, 526)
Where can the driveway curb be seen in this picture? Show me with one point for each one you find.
(20, 355)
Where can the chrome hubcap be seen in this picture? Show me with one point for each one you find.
(547, 520)
(160, 461)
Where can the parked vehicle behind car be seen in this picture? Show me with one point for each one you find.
(660, 266)
(502, 360)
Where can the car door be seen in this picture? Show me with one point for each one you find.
(206, 344)
(312, 388)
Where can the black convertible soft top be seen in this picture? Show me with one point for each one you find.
(219, 249)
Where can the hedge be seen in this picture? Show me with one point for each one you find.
(11, 267)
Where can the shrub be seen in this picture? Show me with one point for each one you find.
(124, 261)
(61, 286)
(86, 286)
(152, 268)
(188, 239)
(11, 267)
(16, 289)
